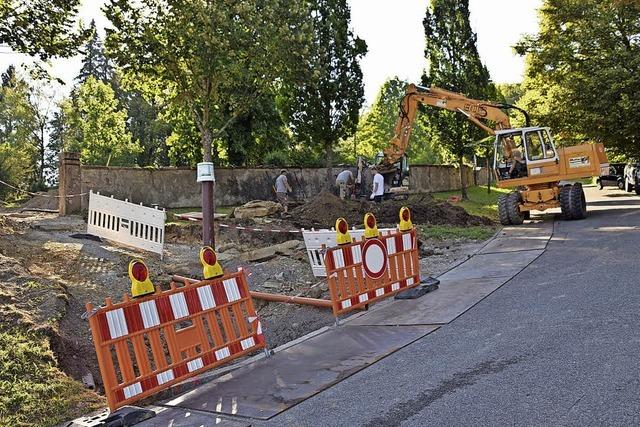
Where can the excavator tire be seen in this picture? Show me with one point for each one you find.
(513, 202)
(565, 204)
(578, 202)
(503, 212)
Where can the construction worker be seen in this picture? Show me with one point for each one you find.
(378, 185)
(345, 183)
(282, 188)
(518, 166)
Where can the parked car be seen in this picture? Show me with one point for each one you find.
(631, 177)
(615, 178)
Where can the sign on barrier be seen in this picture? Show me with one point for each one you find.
(134, 225)
(367, 271)
(316, 240)
(145, 345)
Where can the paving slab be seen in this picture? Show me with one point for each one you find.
(269, 386)
(442, 306)
(178, 417)
(492, 265)
(513, 239)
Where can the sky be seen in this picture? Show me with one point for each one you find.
(394, 35)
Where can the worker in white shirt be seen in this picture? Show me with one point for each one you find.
(378, 186)
(345, 183)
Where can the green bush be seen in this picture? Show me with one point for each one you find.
(276, 158)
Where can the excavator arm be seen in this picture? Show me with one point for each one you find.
(478, 112)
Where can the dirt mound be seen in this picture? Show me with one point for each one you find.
(43, 200)
(323, 210)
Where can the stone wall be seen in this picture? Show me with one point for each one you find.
(177, 187)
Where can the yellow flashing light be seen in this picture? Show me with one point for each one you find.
(342, 232)
(210, 266)
(139, 275)
(370, 226)
(405, 219)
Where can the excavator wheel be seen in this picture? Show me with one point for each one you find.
(513, 202)
(503, 212)
(578, 202)
(565, 203)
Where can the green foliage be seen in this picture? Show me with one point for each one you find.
(444, 232)
(582, 77)
(18, 148)
(97, 128)
(94, 61)
(215, 56)
(510, 92)
(33, 392)
(276, 158)
(454, 64)
(41, 28)
(376, 128)
(325, 102)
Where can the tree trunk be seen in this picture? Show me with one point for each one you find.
(328, 150)
(488, 176)
(463, 179)
(208, 203)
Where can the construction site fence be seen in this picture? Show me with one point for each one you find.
(146, 345)
(369, 270)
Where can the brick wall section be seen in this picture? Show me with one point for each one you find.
(177, 187)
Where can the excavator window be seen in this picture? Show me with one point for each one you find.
(509, 160)
(539, 146)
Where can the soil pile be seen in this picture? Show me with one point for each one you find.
(44, 200)
(323, 210)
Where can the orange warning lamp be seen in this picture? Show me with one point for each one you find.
(139, 275)
(405, 219)
(370, 226)
(342, 232)
(210, 266)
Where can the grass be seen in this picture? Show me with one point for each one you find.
(445, 232)
(480, 202)
(33, 391)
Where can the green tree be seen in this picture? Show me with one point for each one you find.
(41, 28)
(454, 64)
(209, 54)
(376, 128)
(97, 128)
(326, 101)
(582, 77)
(94, 61)
(16, 127)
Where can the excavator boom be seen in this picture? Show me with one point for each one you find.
(478, 112)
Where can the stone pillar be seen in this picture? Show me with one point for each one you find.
(70, 183)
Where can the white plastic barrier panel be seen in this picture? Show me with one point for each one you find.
(314, 239)
(127, 223)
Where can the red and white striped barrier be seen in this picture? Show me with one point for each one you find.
(174, 335)
(369, 270)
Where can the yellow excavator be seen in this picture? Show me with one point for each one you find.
(525, 159)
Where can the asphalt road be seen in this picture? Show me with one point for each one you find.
(559, 344)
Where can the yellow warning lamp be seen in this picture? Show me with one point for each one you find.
(370, 226)
(210, 266)
(139, 275)
(342, 232)
(405, 219)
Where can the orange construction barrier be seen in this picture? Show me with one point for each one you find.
(360, 273)
(147, 344)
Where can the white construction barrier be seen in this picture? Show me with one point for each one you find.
(127, 223)
(314, 239)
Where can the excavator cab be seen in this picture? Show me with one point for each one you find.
(524, 152)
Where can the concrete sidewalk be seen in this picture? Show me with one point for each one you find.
(267, 387)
